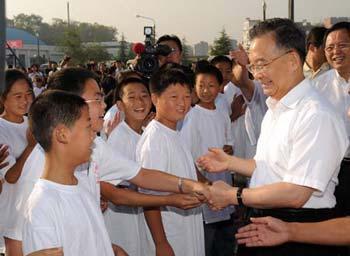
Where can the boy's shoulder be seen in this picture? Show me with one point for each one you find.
(42, 200)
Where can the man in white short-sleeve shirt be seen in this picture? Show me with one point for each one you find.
(301, 144)
(334, 85)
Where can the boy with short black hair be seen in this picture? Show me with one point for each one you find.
(174, 231)
(61, 213)
(123, 222)
(205, 126)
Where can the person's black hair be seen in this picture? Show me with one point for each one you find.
(11, 77)
(119, 91)
(286, 33)
(337, 26)
(166, 77)
(50, 109)
(209, 70)
(71, 80)
(220, 59)
(315, 37)
(170, 38)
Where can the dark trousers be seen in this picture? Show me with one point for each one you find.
(220, 238)
(294, 249)
(342, 191)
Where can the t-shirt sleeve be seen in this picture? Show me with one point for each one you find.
(112, 166)
(39, 232)
(190, 136)
(153, 155)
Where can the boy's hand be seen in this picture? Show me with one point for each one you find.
(164, 249)
(3, 154)
(111, 124)
(184, 201)
(228, 149)
(238, 107)
(103, 204)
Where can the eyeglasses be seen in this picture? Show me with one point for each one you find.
(257, 68)
(100, 100)
(340, 46)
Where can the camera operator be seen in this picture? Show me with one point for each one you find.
(175, 45)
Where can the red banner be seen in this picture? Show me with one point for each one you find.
(15, 44)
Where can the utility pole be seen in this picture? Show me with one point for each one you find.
(291, 9)
(264, 10)
(2, 45)
(68, 16)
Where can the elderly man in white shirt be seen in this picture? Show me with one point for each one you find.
(301, 145)
(335, 86)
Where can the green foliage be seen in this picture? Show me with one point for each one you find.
(123, 51)
(97, 53)
(222, 45)
(54, 32)
(185, 52)
(71, 45)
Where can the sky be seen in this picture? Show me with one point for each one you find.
(195, 20)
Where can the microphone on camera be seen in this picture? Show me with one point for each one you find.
(138, 48)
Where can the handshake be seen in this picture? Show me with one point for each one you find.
(216, 195)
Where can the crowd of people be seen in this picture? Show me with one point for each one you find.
(242, 154)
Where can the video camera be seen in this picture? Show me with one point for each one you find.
(148, 63)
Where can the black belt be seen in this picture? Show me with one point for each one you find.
(346, 159)
(296, 215)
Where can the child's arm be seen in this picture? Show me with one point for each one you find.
(154, 222)
(128, 197)
(48, 252)
(13, 174)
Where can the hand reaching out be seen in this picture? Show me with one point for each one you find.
(216, 160)
(264, 231)
(185, 201)
(240, 56)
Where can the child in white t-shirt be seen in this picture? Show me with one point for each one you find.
(106, 163)
(206, 126)
(16, 99)
(60, 212)
(123, 222)
(174, 231)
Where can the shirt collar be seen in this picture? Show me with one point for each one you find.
(339, 78)
(292, 98)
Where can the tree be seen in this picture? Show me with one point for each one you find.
(222, 45)
(30, 23)
(97, 53)
(123, 51)
(185, 52)
(71, 45)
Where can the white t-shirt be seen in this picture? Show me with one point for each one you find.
(337, 91)
(123, 222)
(64, 216)
(161, 148)
(302, 141)
(107, 165)
(222, 104)
(13, 135)
(37, 91)
(204, 128)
